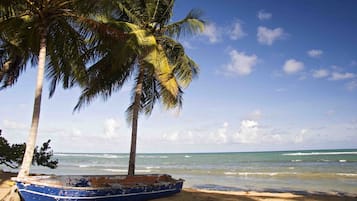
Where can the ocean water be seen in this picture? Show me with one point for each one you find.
(310, 171)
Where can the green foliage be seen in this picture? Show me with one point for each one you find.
(12, 155)
(61, 23)
(149, 43)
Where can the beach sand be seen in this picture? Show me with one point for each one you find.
(203, 195)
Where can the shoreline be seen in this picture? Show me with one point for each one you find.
(209, 195)
(212, 195)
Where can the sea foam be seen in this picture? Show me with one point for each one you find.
(347, 174)
(319, 153)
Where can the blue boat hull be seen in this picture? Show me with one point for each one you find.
(38, 192)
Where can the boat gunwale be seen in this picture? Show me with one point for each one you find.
(33, 180)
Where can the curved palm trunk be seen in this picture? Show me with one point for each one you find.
(31, 142)
(134, 126)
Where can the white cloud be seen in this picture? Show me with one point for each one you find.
(315, 53)
(279, 90)
(293, 66)
(299, 138)
(182, 137)
(172, 137)
(220, 136)
(111, 126)
(353, 63)
(248, 132)
(268, 36)
(336, 68)
(341, 76)
(262, 15)
(187, 45)
(13, 124)
(352, 85)
(241, 63)
(251, 133)
(76, 132)
(330, 112)
(237, 31)
(256, 114)
(320, 73)
(212, 32)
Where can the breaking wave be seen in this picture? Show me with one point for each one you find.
(319, 153)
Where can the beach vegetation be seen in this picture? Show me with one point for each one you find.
(11, 155)
(46, 33)
(143, 45)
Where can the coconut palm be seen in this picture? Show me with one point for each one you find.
(47, 33)
(148, 51)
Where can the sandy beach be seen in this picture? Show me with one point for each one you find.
(189, 194)
(203, 195)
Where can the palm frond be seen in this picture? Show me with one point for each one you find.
(184, 68)
(191, 24)
(157, 59)
(165, 13)
(104, 78)
(168, 100)
(11, 70)
(132, 11)
(13, 56)
(68, 58)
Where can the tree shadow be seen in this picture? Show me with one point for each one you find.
(5, 178)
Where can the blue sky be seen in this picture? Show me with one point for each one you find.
(275, 75)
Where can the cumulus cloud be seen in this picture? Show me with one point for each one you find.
(262, 15)
(256, 114)
(212, 32)
(211, 136)
(320, 73)
(299, 138)
(341, 76)
(76, 132)
(183, 137)
(13, 124)
(337, 68)
(187, 45)
(353, 63)
(241, 63)
(314, 53)
(330, 112)
(248, 132)
(352, 85)
(268, 36)
(293, 66)
(280, 90)
(172, 137)
(236, 31)
(220, 136)
(111, 126)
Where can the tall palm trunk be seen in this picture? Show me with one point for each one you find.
(31, 141)
(134, 126)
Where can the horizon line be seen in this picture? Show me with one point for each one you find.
(208, 152)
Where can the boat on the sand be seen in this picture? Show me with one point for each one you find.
(97, 187)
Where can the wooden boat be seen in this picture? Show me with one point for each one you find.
(109, 187)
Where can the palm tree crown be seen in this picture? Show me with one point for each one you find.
(150, 52)
(47, 33)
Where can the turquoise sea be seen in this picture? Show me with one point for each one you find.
(310, 170)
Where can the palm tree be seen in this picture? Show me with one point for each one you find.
(159, 63)
(47, 33)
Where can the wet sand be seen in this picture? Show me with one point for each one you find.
(203, 195)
